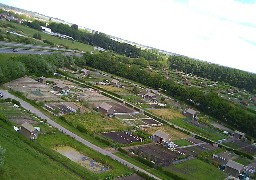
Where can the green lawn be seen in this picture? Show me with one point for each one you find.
(243, 160)
(206, 132)
(182, 142)
(232, 145)
(196, 169)
(8, 110)
(94, 122)
(24, 162)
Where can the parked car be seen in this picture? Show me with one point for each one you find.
(1, 95)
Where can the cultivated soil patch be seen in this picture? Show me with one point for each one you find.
(81, 159)
(122, 137)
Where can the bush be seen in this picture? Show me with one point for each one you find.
(37, 36)
(2, 152)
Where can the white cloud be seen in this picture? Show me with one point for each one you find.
(216, 31)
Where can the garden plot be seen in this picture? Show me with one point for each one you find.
(81, 159)
(32, 89)
(63, 82)
(242, 146)
(92, 96)
(122, 137)
(61, 108)
(125, 116)
(156, 153)
(167, 114)
(15, 114)
(121, 108)
(173, 133)
(114, 89)
(151, 122)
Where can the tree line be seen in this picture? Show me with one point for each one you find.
(104, 41)
(234, 77)
(17, 66)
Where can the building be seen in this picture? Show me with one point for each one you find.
(46, 29)
(28, 131)
(160, 137)
(233, 168)
(85, 72)
(106, 108)
(116, 83)
(190, 113)
(239, 135)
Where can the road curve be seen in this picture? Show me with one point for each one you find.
(38, 113)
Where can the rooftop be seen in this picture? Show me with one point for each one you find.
(234, 165)
(28, 126)
(191, 111)
(105, 106)
(162, 134)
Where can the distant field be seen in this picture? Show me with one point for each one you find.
(167, 114)
(68, 43)
(23, 162)
(196, 169)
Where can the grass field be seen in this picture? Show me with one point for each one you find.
(182, 142)
(94, 122)
(243, 160)
(207, 132)
(114, 89)
(8, 110)
(196, 169)
(174, 134)
(67, 43)
(24, 162)
(167, 114)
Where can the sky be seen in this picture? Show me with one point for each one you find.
(217, 31)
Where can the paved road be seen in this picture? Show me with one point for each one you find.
(38, 113)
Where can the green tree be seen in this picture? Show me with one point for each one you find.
(74, 26)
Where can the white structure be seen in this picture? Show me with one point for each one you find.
(46, 29)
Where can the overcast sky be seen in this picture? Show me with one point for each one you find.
(218, 31)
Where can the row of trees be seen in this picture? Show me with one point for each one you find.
(234, 77)
(17, 66)
(210, 103)
(104, 41)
